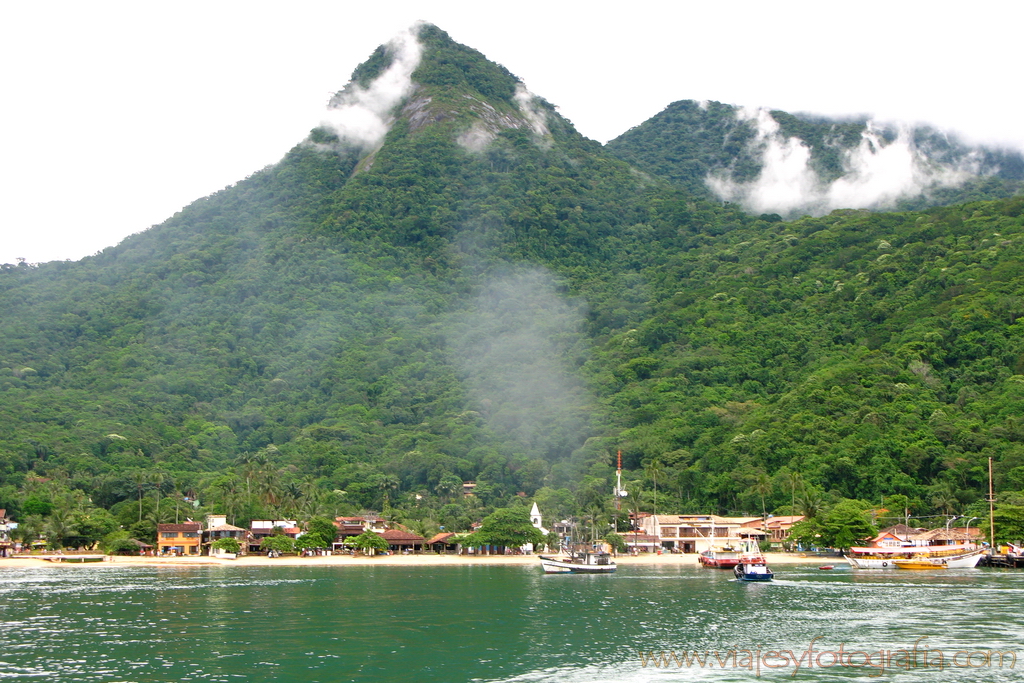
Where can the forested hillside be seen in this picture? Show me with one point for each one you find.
(776, 161)
(485, 295)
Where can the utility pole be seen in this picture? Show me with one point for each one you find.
(618, 492)
(991, 512)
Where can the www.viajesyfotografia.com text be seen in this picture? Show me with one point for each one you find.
(875, 662)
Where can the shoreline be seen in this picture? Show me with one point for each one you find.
(426, 560)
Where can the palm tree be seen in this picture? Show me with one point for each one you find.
(448, 487)
(176, 494)
(810, 502)
(762, 487)
(269, 488)
(653, 469)
(387, 484)
(250, 464)
(635, 494)
(140, 479)
(943, 496)
(157, 480)
(58, 525)
(793, 480)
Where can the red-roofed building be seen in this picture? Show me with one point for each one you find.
(442, 542)
(400, 540)
(777, 526)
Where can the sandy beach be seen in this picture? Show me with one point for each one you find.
(426, 560)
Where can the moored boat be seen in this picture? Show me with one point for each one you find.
(920, 564)
(952, 556)
(585, 562)
(721, 558)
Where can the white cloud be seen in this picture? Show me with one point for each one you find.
(876, 173)
(363, 115)
(535, 116)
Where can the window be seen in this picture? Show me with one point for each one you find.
(169, 534)
(191, 534)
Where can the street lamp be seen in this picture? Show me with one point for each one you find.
(967, 530)
(952, 517)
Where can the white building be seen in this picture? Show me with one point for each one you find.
(697, 533)
(537, 522)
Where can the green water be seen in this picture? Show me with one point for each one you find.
(490, 623)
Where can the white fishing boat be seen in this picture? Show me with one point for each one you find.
(581, 562)
(949, 556)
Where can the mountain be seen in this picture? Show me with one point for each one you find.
(772, 161)
(445, 282)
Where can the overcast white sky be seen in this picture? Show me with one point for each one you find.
(115, 115)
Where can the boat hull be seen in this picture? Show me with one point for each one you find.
(552, 565)
(753, 572)
(719, 560)
(919, 564)
(967, 560)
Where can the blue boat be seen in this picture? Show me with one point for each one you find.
(753, 568)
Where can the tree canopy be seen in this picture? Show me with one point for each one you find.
(490, 306)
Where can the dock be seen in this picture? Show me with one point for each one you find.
(1002, 561)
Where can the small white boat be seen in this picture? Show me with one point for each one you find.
(596, 562)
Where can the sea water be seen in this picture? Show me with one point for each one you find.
(329, 624)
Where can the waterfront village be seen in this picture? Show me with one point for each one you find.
(649, 533)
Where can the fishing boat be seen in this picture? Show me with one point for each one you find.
(579, 562)
(721, 558)
(951, 556)
(753, 567)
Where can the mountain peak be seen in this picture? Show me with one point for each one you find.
(424, 77)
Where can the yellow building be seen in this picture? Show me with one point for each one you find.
(179, 539)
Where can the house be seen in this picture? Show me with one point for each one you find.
(640, 543)
(945, 536)
(217, 527)
(261, 528)
(696, 533)
(349, 527)
(778, 528)
(442, 542)
(403, 541)
(563, 529)
(6, 526)
(179, 539)
(894, 536)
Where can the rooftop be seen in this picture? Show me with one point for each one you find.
(398, 537)
(184, 526)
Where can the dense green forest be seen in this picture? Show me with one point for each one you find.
(359, 328)
(690, 141)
